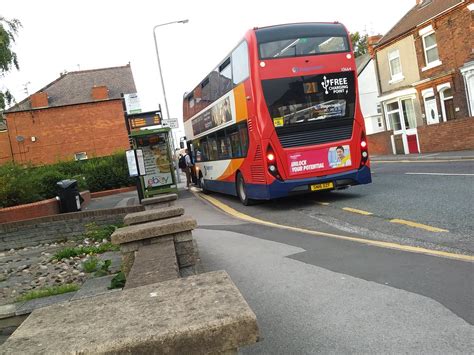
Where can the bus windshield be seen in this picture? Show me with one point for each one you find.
(303, 46)
(294, 40)
(304, 99)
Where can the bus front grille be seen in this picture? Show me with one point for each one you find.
(315, 136)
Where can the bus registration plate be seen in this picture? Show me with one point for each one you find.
(323, 186)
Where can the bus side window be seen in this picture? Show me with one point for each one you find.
(244, 138)
(233, 135)
(223, 145)
(240, 63)
(212, 146)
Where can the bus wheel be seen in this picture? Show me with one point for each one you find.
(242, 191)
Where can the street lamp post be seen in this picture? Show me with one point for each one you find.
(159, 64)
(163, 88)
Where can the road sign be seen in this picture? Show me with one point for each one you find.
(132, 102)
(173, 123)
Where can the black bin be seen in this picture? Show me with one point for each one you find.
(69, 197)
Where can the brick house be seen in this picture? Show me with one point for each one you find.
(426, 76)
(77, 116)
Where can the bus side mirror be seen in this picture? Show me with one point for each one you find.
(181, 145)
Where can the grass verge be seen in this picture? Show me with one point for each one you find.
(72, 252)
(48, 291)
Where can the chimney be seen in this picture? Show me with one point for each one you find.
(372, 42)
(39, 100)
(100, 93)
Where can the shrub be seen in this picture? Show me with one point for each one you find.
(19, 184)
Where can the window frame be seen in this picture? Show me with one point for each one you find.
(395, 78)
(424, 33)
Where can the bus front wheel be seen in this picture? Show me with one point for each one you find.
(242, 191)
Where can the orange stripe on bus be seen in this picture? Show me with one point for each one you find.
(241, 113)
(231, 169)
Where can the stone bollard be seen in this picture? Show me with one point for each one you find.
(175, 229)
(159, 201)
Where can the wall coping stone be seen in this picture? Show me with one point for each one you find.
(159, 199)
(153, 229)
(152, 215)
(199, 314)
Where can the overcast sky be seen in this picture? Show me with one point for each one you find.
(73, 35)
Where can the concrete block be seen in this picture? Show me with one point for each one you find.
(127, 262)
(202, 314)
(159, 199)
(153, 229)
(183, 237)
(152, 215)
(153, 263)
(186, 260)
(184, 248)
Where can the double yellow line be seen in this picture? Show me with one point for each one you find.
(380, 244)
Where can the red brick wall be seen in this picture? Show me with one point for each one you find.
(454, 33)
(380, 143)
(447, 136)
(95, 128)
(5, 151)
(36, 209)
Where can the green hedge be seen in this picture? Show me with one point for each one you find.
(20, 185)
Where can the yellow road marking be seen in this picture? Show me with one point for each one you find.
(418, 225)
(380, 244)
(322, 203)
(420, 161)
(355, 210)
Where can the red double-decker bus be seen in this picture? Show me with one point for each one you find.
(280, 115)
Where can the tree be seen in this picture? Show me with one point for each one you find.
(359, 43)
(8, 58)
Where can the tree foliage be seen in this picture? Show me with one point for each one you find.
(8, 58)
(359, 43)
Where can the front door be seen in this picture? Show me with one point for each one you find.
(431, 110)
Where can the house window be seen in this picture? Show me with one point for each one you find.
(379, 122)
(80, 156)
(379, 108)
(401, 114)
(431, 48)
(393, 113)
(395, 66)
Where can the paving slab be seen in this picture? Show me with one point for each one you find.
(30, 306)
(201, 314)
(94, 287)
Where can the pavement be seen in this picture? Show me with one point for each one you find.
(457, 155)
(323, 295)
